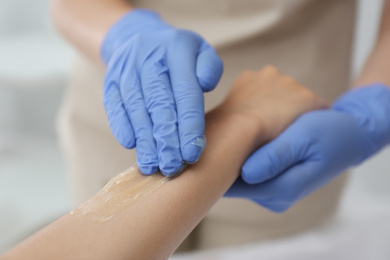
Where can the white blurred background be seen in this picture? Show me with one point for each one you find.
(34, 68)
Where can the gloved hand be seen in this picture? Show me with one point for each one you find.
(153, 90)
(316, 148)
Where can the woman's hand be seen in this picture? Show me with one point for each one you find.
(153, 90)
(316, 148)
(270, 100)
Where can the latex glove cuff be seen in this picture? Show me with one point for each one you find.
(370, 106)
(133, 22)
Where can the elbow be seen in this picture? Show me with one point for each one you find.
(58, 9)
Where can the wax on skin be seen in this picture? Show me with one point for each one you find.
(121, 191)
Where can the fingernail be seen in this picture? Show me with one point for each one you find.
(194, 149)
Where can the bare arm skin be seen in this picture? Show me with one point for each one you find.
(260, 105)
(85, 23)
(376, 69)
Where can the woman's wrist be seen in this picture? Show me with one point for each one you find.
(235, 124)
(231, 137)
(376, 68)
(85, 23)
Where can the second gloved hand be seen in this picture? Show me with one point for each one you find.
(316, 148)
(153, 89)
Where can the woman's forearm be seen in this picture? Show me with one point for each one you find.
(114, 225)
(376, 69)
(85, 22)
(152, 227)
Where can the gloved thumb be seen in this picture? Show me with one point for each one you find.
(209, 68)
(272, 159)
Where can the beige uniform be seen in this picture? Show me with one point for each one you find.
(308, 39)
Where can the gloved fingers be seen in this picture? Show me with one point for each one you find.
(282, 192)
(188, 97)
(117, 117)
(274, 206)
(264, 191)
(240, 189)
(273, 158)
(295, 183)
(209, 67)
(161, 106)
(134, 104)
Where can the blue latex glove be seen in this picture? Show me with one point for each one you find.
(153, 90)
(316, 148)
